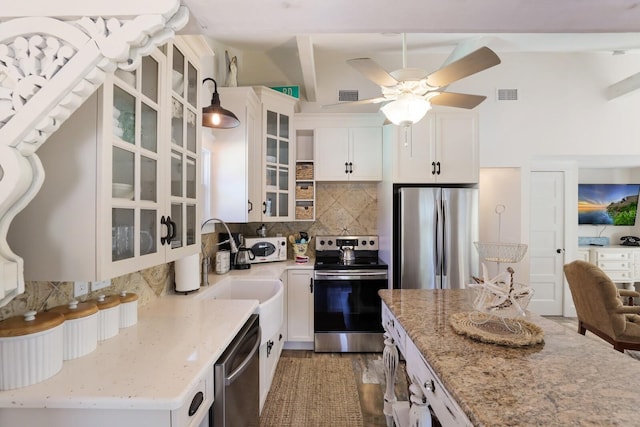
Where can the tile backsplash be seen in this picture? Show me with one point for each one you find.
(341, 208)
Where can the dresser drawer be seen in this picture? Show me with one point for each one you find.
(613, 256)
(445, 408)
(607, 265)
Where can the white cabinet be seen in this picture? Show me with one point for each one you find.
(441, 148)
(269, 357)
(122, 173)
(251, 172)
(234, 176)
(348, 154)
(300, 305)
(617, 263)
(277, 154)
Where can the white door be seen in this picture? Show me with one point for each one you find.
(546, 250)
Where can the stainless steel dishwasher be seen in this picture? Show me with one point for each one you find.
(237, 380)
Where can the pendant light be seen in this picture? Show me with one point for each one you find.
(214, 116)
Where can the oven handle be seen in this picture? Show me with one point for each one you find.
(350, 275)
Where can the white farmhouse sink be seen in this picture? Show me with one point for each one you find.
(268, 292)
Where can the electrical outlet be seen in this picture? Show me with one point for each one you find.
(80, 288)
(100, 285)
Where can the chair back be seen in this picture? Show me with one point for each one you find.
(595, 297)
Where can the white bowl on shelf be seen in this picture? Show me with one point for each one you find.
(122, 191)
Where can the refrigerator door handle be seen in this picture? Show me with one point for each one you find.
(438, 235)
(445, 239)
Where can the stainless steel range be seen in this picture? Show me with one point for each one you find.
(347, 308)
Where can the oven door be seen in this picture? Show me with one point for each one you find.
(347, 310)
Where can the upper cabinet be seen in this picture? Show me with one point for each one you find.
(252, 166)
(122, 173)
(441, 148)
(348, 153)
(277, 154)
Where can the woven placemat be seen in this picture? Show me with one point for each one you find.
(495, 330)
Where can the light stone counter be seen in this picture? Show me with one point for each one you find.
(569, 380)
(150, 365)
(153, 364)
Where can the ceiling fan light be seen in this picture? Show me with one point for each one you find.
(406, 110)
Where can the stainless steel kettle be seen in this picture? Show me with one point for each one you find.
(243, 258)
(347, 254)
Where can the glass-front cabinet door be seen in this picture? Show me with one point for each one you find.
(277, 114)
(133, 126)
(184, 174)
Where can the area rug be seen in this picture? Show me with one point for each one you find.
(312, 392)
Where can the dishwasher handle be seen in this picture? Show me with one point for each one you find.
(245, 363)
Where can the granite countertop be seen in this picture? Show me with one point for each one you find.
(568, 380)
(154, 363)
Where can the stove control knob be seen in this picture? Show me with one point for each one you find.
(364, 243)
(371, 242)
(321, 242)
(330, 242)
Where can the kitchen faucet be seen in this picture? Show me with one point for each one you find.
(205, 259)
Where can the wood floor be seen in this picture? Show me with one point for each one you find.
(369, 373)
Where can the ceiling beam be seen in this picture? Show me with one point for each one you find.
(308, 66)
(623, 87)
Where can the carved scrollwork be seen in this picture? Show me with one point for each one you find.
(26, 64)
(48, 68)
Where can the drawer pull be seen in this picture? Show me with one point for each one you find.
(195, 403)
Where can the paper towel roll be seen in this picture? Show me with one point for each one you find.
(188, 273)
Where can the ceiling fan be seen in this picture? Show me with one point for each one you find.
(408, 93)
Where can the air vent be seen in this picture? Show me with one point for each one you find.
(347, 95)
(507, 94)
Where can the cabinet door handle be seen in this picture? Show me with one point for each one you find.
(311, 285)
(350, 167)
(172, 229)
(438, 171)
(346, 167)
(250, 203)
(264, 207)
(433, 168)
(164, 239)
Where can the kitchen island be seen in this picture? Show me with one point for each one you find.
(569, 380)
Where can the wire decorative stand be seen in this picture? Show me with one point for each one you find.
(500, 298)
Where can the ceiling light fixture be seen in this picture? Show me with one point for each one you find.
(406, 110)
(214, 116)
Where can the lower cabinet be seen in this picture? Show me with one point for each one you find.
(269, 356)
(300, 309)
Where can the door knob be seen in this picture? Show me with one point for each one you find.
(559, 251)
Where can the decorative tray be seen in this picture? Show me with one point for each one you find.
(496, 330)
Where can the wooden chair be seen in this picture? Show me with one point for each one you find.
(599, 306)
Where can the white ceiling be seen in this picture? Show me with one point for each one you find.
(433, 26)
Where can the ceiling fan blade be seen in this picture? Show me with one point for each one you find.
(371, 70)
(359, 102)
(459, 100)
(472, 63)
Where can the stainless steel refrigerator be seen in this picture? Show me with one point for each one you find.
(435, 228)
